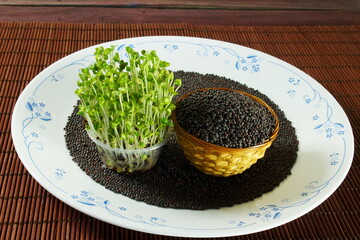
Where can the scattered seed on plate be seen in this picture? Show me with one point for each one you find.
(173, 182)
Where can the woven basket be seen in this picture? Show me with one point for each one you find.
(221, 161)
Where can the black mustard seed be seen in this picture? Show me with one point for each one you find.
(173, 182)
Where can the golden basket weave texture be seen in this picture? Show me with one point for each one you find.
(221, 161)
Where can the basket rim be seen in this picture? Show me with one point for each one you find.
(208, 144)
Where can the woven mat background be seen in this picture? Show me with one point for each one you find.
(329, 54)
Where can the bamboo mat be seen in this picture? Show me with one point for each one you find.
(330, 54)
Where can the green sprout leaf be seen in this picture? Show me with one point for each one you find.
(127, 103)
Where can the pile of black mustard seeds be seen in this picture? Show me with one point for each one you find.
(225, 118)
(173, 182)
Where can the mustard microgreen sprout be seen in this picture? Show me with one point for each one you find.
(127, 103)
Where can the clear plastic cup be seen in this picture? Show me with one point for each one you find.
(129, 161)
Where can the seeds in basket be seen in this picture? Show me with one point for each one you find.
(222, 131)
(225, 118)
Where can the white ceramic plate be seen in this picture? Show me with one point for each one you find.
(325, 152)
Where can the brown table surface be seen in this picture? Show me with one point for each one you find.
(330, 54)
(225, 12)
